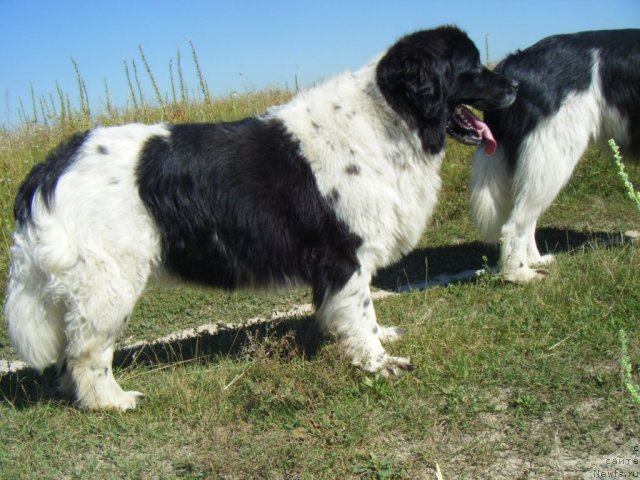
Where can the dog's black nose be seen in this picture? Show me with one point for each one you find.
(513, 84)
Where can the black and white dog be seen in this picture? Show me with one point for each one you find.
(572, 89)
(323, 190)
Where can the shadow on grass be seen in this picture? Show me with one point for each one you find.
(25, 387)
(477, 255)
(291, 336)
(300, 335)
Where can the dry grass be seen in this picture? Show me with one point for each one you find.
(512, 382)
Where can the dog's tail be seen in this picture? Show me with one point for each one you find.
(35, 319)
(491, 193)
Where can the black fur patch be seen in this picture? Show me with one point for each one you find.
(44, 177)
(237, 205)
(63, 368)
(561, 65)
(425, 75)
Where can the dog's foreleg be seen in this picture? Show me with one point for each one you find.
(348, 315)
(519, 250)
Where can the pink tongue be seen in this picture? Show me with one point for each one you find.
(490, 143)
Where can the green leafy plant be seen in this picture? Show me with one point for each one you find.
(631, 387)
(627, 370)
(376, 384)
(378, 468)
(633, 195)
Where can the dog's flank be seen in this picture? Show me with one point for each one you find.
(258, 222)
(312, 192)
(574, 89)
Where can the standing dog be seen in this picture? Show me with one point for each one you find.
(322, 191)
(573, 89)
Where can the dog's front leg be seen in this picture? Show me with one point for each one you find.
(348, 315)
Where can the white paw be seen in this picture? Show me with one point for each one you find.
(122, 401)
(396, 366)
(128, 400)
(524, 275)
(388, 366)
(544, 260)
(390, 334)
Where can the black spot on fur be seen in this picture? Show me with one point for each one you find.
(44, 177)
(352, 169)
(333, 196)
(102, 150)
(315, 125)
(366, 302)
(236, 204)
(375, 330)
(337, 107)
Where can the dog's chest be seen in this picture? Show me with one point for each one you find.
(369, 166)
(388, 205)
(381, 184)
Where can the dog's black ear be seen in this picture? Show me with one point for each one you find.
(414, 86)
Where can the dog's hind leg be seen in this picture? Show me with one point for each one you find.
(348, 315)
(35, 321)
(101, 295)
(91, 377)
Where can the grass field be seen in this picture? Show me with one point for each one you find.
(511, 381)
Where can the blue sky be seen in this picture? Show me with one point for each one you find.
(246, 45)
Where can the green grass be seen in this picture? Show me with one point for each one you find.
(511, 381)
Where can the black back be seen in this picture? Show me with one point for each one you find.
(560, 65)
(44, 177)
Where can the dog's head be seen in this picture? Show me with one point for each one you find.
(429, 76)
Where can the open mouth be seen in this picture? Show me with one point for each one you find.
(467, 128)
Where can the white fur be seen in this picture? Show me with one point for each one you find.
(360, 339)
(81, 265)
(388, 204)
(390, 201)
(506, 207)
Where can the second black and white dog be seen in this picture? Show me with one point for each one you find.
(573, 89)
(323, 190)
